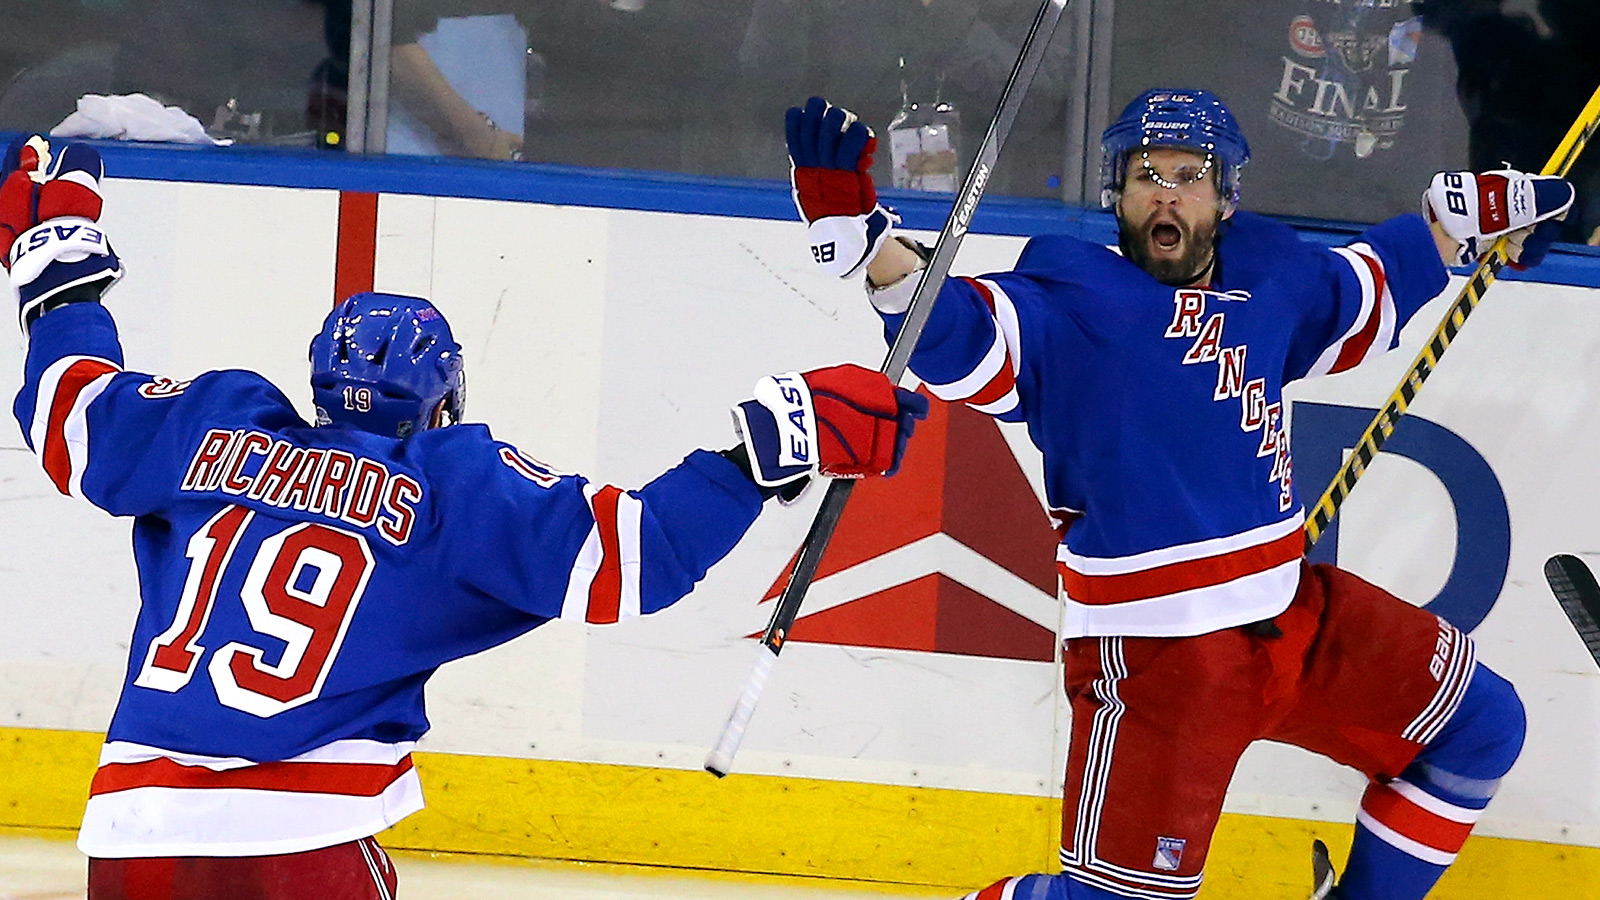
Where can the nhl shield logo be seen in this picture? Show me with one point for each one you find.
(1169, 853)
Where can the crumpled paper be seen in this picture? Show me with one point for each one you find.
(133, 117)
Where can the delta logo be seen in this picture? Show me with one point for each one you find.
(954, 554)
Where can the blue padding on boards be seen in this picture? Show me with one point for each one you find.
(658, 192)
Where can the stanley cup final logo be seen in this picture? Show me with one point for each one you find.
(1342, 82)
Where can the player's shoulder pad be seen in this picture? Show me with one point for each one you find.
(1061, 257)
(470, 451)
(1065, 259)
(237, 395)
(1254, 247)
(1260, 232)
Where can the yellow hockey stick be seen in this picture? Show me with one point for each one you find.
(1366, 450)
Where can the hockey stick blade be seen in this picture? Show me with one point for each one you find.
(1320, 516)
(787, 607)
(1579, 596)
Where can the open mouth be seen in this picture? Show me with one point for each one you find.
(1166, 236)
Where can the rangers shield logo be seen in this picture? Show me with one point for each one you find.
(1169, 853)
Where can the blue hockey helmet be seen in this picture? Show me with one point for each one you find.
(1167, 117)
(383, 363)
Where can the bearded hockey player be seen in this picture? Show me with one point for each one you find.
(1151, 380)
(300, 583)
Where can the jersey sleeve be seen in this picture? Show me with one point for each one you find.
(122, 440)
(561, 546)
(1358, 297)
(973, 348)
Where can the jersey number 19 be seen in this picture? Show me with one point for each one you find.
(310, 619)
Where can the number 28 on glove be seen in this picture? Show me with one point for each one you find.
(830, 153)
(1475, 209)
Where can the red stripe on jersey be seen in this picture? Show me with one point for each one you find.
(998, 386)
(605, 592)
(347, 779)
(357, 252)
(1389, 807)
(57, 461)
(994, 891)
(1101, 590)
(1003, 380)
(1355, 349)
(983, 291)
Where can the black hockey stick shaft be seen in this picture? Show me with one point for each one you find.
(1579, 596)
(1366, 449)
(787, 607)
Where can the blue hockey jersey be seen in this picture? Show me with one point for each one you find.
(299, 585)
(1159, 410)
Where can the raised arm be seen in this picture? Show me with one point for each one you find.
(970, 350)
(561, 546)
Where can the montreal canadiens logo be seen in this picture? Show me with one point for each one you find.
(1304, 38)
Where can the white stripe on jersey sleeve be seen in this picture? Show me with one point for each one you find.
(1376, 305)
(629, 513)
(988, 367)
(45, 399)
(1330, 354)
(1005, 315)
(76, 433)
(999, 407)
(575, 605)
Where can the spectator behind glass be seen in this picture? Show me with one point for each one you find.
(959, 51)
(416, 84)
(1521, 89)
(617, 83)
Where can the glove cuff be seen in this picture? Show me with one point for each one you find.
(58, 255)
(778, 429)
(1477, 209)
(843, 245)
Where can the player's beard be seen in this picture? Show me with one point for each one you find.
(1199, 246)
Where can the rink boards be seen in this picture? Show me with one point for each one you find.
(913, 730)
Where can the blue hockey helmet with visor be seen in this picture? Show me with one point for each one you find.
(384, 363)
(1194, 120)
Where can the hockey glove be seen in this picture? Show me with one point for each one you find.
(49, 237)
(844, 422)
(1477, 209)
(830, 154)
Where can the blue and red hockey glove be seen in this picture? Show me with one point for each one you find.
(830, 154)
(843, 422)
(50, 239)
(1475, 209)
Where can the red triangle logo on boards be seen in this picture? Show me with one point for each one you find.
(952, 555)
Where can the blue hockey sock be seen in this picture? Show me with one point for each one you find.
(1409, 829)
(1042, 887)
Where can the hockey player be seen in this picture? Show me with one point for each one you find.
(1151, 381)
(300, 583)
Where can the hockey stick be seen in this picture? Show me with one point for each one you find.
(1579, 596)
(1366, 449)
(720, 759)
